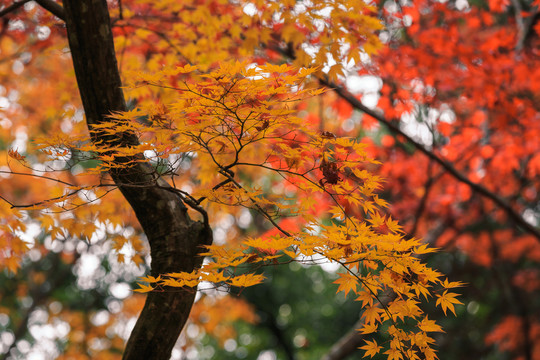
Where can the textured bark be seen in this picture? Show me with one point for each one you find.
(347, 345)
(174, 238)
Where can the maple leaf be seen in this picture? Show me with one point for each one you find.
(151, 279)
(369, 328)
(47, 221)
(346, 282)
(449, 285)
(11, 263)
(144, 288)
(246, 280)
(371, 348)
(14, 154)
(372, 314)
(365, 297)
(447, 301)
(429, 325)
(394, 354)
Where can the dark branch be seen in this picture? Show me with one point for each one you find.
(55, 8)
(520, 24)
(12, 7)
(347, 344)
(423, 201)
(394, 127)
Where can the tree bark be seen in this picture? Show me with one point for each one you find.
(351, 341)
(347, 345)
(175, 239)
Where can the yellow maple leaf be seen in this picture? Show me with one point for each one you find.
(447, 301)
(372, 314)
(246, 280)
(394, 354)
(369, 328)
(47, 221)
(143, 288)
(12, 263)
(347, 283)
(371, 348)
(429, 325)
(448, 285)
(150, 279)
(365, 297)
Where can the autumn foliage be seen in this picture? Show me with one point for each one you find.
(249, 110)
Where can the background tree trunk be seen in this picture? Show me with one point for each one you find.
(174, 238)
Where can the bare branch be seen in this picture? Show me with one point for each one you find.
(12, 7)
(501, 203)
(527, 30)
(423, 201)
(36, 176)
(120, 10)
(392, 126)
(55, 8)
(347, 344)
(520, 23)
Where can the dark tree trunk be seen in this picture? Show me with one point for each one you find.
(174, 238)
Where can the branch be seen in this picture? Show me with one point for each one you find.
(53, 7)
(120, 10)
(347, 344)
(36, 176)
(392, 126)
(350, 342)
(520, 23)
(272, 326)
(516, 302)
(355, 103)
(12, 7)
(527, 29)
(423, 201)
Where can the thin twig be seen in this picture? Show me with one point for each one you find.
(120, 10)
(36, 176)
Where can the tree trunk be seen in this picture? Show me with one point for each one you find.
(175, 239)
